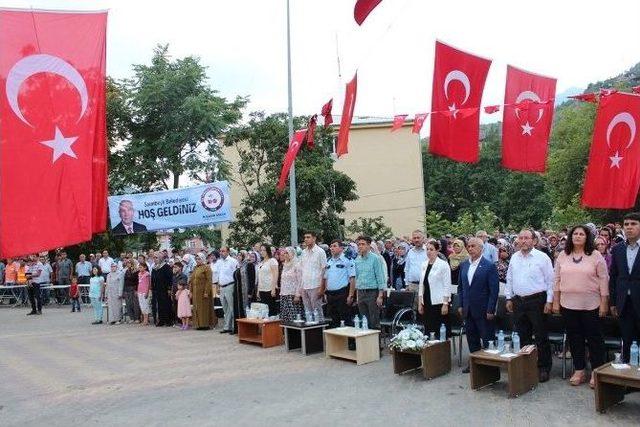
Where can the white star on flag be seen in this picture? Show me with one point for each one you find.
(61, 145)
(615, 160)
(452, 108)
(526, 129)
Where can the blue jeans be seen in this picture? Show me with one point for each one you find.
(75, 304)
(96, 303)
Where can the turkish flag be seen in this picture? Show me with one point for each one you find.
(342, 147)
(585, 97)
(311, 131)
(418, 121)
(458, 82)
(398, 121)
(296, 142)
(528, 113)
(326, 113)
(490, 109)
(363, 8)
(53, 158)
(613, 172)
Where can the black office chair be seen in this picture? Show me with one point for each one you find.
(397, 313)
(558, 338)
(612, 335)
(504, 320)
(457, 326)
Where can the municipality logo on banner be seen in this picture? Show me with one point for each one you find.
(162, 210)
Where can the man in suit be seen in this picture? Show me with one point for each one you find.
(478, 292)
(624, 283)
(126, 224)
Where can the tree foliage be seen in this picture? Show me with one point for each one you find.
(372, 227)
(264, 213)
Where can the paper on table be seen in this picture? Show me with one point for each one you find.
(431, 342)
(620, 366)
(492, 351)
(508, 355)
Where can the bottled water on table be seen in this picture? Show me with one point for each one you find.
(443, 332)
(365, 323)
(356, 322)
(315, 315)
(308, 316)
(501, 341)
(515, 339)
(634, 356)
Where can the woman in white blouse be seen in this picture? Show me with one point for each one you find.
(268, 279)
(434, 291)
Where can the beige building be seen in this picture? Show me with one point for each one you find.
(387, 170)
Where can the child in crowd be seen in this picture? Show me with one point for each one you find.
(184, 305)
(144, 282)
(74, 294)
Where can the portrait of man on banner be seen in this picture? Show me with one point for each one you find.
(126, 224)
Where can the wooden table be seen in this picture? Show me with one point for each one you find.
(306, 338)
(522, 371)
(611, 384)
(367, 344)
(434, 360)
(267, 333)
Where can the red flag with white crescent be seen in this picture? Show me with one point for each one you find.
(527, 118)
(342, 147)
(53, 158)
(290, 157)
(326, 113)
(418, 121)
(613, 173)
(458, 83)
(363, 8)
(398, 121)
(311, 131)
(490, 109)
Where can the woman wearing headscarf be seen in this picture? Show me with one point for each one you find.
(290, 303)
(115, 284)
(603, 246)
(161, 278)
(397, 267)
(502, 264)
(131, 291)
(456, 257)
(201, 292)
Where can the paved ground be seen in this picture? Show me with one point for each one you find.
(60, 370)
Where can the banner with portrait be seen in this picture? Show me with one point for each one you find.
(162, 210)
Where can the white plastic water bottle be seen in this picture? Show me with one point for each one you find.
(365, 323)
(515, 339)
(356, 322)
(633, 359)
(315, 315)
(501, 341)
(443, 332)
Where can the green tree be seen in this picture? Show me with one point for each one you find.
(372, 227)
(436, 225)
(264, 213)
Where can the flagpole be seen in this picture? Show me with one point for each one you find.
(293, 205)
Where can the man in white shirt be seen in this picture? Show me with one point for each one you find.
(105, 264)
(312, 264)
(225, 267)
(416, 256)
(529, 293)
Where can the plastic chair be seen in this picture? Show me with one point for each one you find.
(457, 326)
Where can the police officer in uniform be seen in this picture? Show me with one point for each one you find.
(339, 285)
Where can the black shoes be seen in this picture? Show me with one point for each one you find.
(97, 322)
(31, 313)
(543, 375)
(466, 370)
(224, 331)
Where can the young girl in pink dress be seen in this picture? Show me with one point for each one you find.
(184, 305)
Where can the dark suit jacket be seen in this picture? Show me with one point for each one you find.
(621, 281)
(137, 228)
(481, 296)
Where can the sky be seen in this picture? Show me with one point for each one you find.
(243, 44)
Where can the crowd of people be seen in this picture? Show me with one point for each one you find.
(582, 274)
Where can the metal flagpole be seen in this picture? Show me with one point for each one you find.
(293, 206)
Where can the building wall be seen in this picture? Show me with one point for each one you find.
(387, 170)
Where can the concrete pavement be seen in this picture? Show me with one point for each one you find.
(58, 369)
